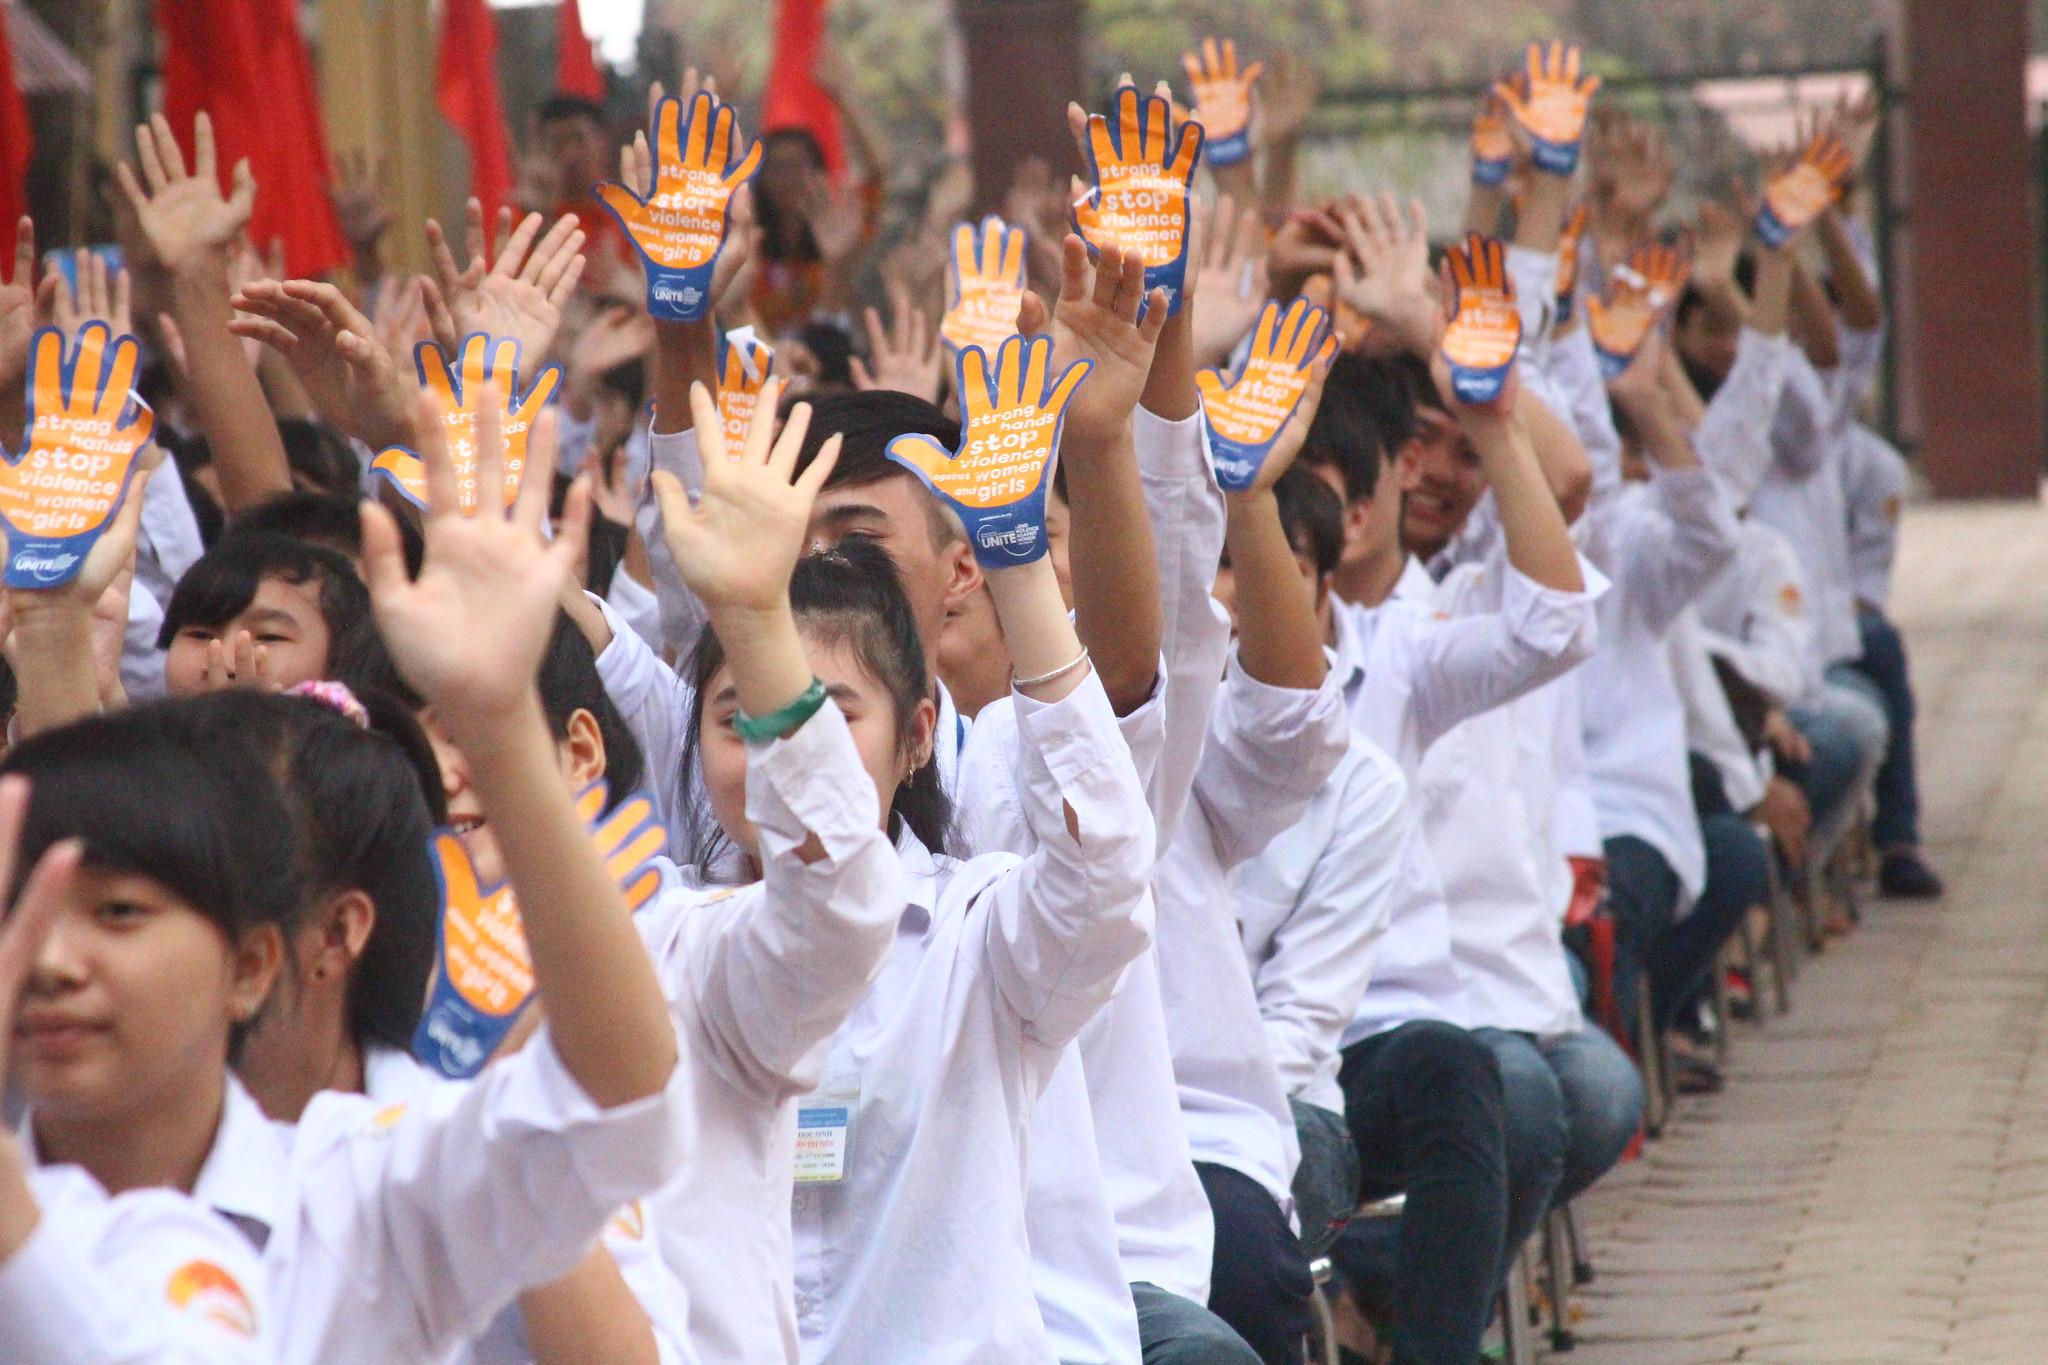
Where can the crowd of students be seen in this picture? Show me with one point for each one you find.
(980, 835)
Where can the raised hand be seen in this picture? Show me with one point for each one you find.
(744, 367)
(1289, 98)
(1549, 99)
(183, 219)
(681, 221)
(359, 201)
(1493, 146)
(984, 283)
(18, 305)
(1108, 326)
(86, 431)
(1716, 247)
(1383, 272)
(738, 544)
(483, 979)
(905, 357)
(468, 634)
(1660, 271)
(1223, 98)
(1247, 415)
(352, 378)
(1141, 168)
(1619, 322)
(1231, 285)
(484, 384)
(97, 297)
(1010, 433)
(1797, 193)
(1483, 330)
(519, 296)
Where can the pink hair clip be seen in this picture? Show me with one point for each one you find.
(335, 696)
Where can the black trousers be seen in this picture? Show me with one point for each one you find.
(1260, 1283)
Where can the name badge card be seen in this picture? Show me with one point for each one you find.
(824, 1130)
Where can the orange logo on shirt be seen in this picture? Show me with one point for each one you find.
(209, 1292)
(1790, 601)
(629, 1224)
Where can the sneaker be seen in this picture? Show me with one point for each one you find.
(1903, 876)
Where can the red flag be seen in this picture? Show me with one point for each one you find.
(794, 99)
(466, 88)
(247, 67)
(17, 140)
(576, 70)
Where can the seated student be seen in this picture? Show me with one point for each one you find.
(1411, 1068)
(371, 1220)
(262, 610)
(1313, 907)
(145, 1274)
(1490, 796)
(1874, 485)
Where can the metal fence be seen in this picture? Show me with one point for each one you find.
(1415, 139)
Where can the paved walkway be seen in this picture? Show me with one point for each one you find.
(1873, 1185)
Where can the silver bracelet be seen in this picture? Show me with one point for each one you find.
(1057, 673)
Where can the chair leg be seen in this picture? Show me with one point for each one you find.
(1559, 1280)
(1518, 1346)
(1650, 1057)
(1322, 1329)
(1784, 949)
(1718, 1007)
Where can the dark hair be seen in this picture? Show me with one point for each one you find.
(331, 520)
(787, 239)
(847, 595)
(1312, 518)
(365, 805)
(832, 348)
(320, 457)
(1367, 413)
(224, 581)
(564, 106)
(568, 681)
(204, 820)
(866, 423)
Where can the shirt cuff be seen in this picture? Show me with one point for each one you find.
(1547, 619)
(1072, 735)
(1277, 714)
(618, 1154)
(1171, 450)
(811, 782)
(677, 452)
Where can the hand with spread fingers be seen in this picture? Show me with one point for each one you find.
(984, 283)
(1483, 330)
(905, 356)
(354, 381)
(681, 219)
(1224, 98)
(1383, 272)
(1248, 415)
(1549, 99)
(183, 218)
(486, 376)
(519, 295)
(1009, 436)
(1797, 192)
(1141, 169)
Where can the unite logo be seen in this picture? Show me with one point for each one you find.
(51, 566)
(1014, 538)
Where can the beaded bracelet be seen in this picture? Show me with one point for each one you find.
(783, 720)
(1059, 672)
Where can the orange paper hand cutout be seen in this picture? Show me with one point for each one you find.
(1549, 98)
(461, 392)
(86, 427)
(744, 366)
(1484, 330)
(1142, 170)
(679, 224)
(1246, 416)
(1223, 99)
(985, 284)
(1799, 193)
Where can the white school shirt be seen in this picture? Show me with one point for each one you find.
(1753, 614)
(758, 978)
(1874, 487)
(1268, 751)
(397, 1232)
(167, 544)
(1659, 542)
(394, 1077)
(1485, 797)
(1410, 673)
(921, 1252)
(148, 1277)
(1801, 495)
(1312, 909)
(1710, 728)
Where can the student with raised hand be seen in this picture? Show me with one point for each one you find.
(188, 874)
(144, 1275)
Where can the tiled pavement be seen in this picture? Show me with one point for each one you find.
(1873, 1184)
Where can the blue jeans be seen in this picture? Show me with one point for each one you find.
(1259, 1282)
(1826, 779)
(1882, 669)
(1677, 953)
(1424, 1104)
(1572, 1105)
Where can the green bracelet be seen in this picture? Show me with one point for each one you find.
(783, 720)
